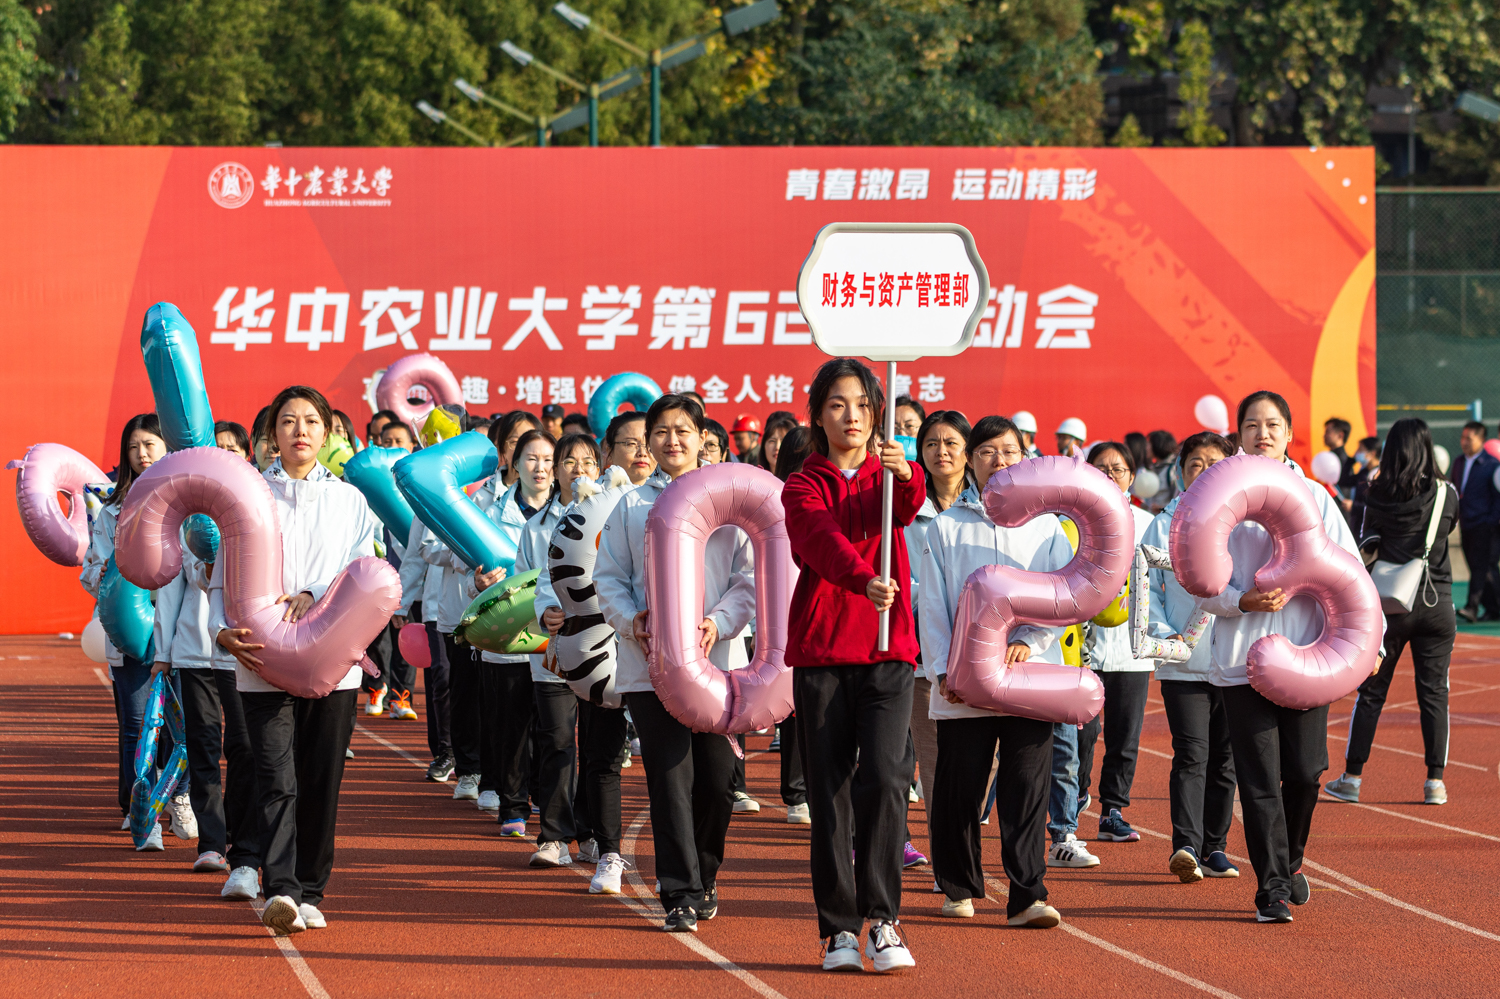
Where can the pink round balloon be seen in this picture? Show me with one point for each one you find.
(412, 640)
(1304, 562)
(695, 692)
(1493, 447)
(1326, 467)
(49, 469)
(306, 658)
(416, 369)
(997, 598)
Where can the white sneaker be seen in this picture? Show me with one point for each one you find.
(552, 854)
(467, 788)
(798, 815)
(312, 917)
(962, 908)
(282, 916)
(1434, 792)
(588, 852)
(153, 841)
(125, 826)
(242, 883)
(1039, 915)
(842, 953)
(1070, 852)
(375, 707)
(607, 875)
(912, 796)
(184, 822)
(210, 860)
(489, 801)
(744, 803)
(886, 948)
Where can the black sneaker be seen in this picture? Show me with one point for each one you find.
(1301, 890)
(440, 769)
(683, 920)
(1274, 911)
(710, 907)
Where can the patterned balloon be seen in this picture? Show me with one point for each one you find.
(503, 618)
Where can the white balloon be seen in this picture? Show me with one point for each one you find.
(1212, 414)
(1443, 459)
(1147, 484)
(1326, 467)
(94, 642)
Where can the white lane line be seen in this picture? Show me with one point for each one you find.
(651, 910)
(293, 957)
(104, 679)
(1420, 756)
(1001, 889)
(1377, 893)
(1412, 818)
(1475, 721)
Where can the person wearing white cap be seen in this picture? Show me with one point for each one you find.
(1026, 423)
(1071, 433)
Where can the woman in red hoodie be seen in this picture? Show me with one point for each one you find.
(853, 702)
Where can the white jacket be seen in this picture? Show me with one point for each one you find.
(1109, 648)
(961, 540)
(505, 513)
(1173, 608)
(916, 541)
(325, 525)
(1301, 620)
(420, 580)
(101, 547)
(181, 631)
(531, 553)
(620, 579)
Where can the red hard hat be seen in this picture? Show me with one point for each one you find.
(746, 424)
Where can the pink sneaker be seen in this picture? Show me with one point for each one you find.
(912, 857)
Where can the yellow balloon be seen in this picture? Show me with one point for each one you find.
(334, 453)
(1116, 613)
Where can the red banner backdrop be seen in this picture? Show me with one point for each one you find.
(1126, 284)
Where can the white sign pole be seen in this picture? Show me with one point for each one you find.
(892, 291)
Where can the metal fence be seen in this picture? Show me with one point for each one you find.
(1437, 306)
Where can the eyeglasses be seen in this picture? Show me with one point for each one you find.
(577, 464)
(630, 444)
(712, 446)
(1116, 472)
(1011, 454)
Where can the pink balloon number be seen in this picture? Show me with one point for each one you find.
(693, 690)
(411, 370)
(997, 598)
(307, 658)
(49, 469)
(1304, 562)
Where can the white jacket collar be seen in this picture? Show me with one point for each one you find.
(275, 473)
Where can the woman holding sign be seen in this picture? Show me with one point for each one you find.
(853, 702)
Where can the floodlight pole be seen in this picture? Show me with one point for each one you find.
(656, 97)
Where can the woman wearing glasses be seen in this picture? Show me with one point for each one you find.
(1127, 681)
(959, 541)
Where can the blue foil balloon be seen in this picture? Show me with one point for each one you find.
(170, 349)
(432, 481)
(371, 473)
(202, 537)
(908, 445)
(126, 613)
(627, 386)
(148, 799)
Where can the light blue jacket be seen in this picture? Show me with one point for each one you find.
(1173, 608)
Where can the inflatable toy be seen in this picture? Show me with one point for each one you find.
(617, 390)
(431, 480)
(201, 536)
(170, 349)
(1146, 485)
(695, 692)
(335, 454)
(416, 369)
(1493, 447)
(908, 447)
(371, 473)
(1146, 646)
(1212, 414)
(127, 612)
(503, 618)
(1326, 467)
(48, 471)
(93, 641)
(412, 641)
(1304, 562)
(439, 426)
(1117, 613)
(996, 598)
(306, 658)
(146, 799)
(583, 651)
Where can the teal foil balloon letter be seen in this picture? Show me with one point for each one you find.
(170, 349)
(432, 481)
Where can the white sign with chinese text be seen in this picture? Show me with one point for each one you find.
(893, 291)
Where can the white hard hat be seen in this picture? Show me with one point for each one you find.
(1073, 427)
(1024, 421)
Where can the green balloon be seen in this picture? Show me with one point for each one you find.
(503, 618)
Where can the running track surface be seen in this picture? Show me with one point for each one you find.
(426, 899)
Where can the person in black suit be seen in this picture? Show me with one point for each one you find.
(1473, 473)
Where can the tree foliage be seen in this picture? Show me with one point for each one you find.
(19, 65)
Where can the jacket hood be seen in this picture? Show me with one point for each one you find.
(1418, 506)
(276, 473)
(819, 465)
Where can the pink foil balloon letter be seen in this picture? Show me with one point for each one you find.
(416, 369)
(997, 598)
(307, 658)
(1304, 562)
(697, 693)
(49, 469)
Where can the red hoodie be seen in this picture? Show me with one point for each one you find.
(834, 526)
